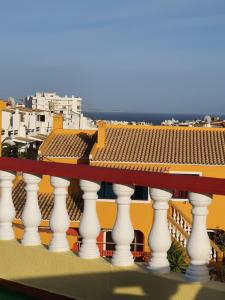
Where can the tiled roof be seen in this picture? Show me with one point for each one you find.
(158, 144)
(74, 203)
(133, 167)
(68, 145)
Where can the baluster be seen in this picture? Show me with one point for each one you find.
(59, 220)
(177, 234)
(7, 209)
(185, 242)
(31, 215)
(211, 254)
(178, 218)
(198, 246)
(215, 255)
(183, 223)
(123, 232)
(174, 214)
(170, 228)
(89, 224)
(173, 231)
(185, 226)
(181, 239)
(189, 229)
(159, 237)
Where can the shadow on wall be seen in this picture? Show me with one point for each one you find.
(129, 285)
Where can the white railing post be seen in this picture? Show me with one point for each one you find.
(89, 225)
(59, 220)
(198, 245)
(159, 237)
(123, 232)
(7, 209)
(31, 215)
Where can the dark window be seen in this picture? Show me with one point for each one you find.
(140, 193)
(110, 245)
(106, 191)
(180, 194)
(42, 118)
(177, 194)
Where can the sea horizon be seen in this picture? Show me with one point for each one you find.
(154, 118)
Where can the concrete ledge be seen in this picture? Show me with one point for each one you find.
(68, 275)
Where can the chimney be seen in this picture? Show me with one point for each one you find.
(57, 122)
(101, 134)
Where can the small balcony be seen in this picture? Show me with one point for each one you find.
(54, 271)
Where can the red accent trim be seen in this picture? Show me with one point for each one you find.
(72, 231)
(100, 240)
(205, 185)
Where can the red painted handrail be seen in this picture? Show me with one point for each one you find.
(198, 184)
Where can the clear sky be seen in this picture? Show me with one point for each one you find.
(142, 55)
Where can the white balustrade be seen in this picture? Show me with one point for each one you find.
(159, 237)
(89, 225)
(198, 246)
(7, 209)
(31, 215)
(59, 220)
(123, 232)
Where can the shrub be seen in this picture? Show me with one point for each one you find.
(177, 257)
(219, 238)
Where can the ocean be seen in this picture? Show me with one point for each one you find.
(154, 118)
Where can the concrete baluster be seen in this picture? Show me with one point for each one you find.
(89, 225)
(198, 245)
(59, 221)
(7, 209)
(123, 232)
(159, 237)
(31, 215)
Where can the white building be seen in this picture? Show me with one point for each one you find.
(69, 107)
(25, 127)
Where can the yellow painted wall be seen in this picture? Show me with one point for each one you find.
(216, 219)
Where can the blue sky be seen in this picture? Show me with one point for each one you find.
(143, 55)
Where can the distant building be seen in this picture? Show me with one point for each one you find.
(69, 107)
(25, 127)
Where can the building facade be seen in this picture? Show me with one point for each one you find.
(69, 107)
(177, 150)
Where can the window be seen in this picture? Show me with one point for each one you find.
(106, 192)
(140, 193)
(42, 118)
(178, 194)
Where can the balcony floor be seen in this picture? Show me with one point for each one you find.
(68, 275)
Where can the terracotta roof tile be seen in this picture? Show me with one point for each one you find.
(68, 145)
(74, 203)
(168, 145)
(144, 167)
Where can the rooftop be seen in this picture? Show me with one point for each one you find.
(162, 145)
(74, 202)
(68, 143)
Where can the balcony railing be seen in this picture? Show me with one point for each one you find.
(200, 196)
